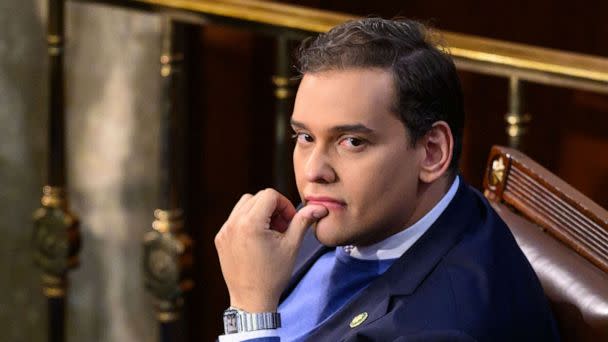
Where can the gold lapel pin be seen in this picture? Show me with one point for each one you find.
(357, 320)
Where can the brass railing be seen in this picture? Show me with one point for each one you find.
(529, 63)
(168, 249)
(519, 63)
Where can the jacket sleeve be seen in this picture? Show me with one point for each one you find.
(437, 336)
(422, 336)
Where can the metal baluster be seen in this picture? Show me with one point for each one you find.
(56, 238)
(284, 102)
(517, 120)
(167, 248)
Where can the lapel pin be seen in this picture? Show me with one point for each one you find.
(357, 320)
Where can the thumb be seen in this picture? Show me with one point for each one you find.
(303, 219)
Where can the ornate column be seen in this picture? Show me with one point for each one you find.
(167, 248)
(56, 238)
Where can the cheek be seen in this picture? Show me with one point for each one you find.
(296, 160)
(378, 175)
(298, 168)
(383, 185)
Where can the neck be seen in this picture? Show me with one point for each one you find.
(429, 194)
(424, 214)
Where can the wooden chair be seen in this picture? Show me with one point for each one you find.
(564, 235)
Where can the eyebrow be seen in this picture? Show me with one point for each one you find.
(358, 128)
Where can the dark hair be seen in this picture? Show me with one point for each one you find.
(426, 83)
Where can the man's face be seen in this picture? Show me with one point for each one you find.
(353, 156)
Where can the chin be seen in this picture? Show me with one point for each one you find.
(329, 234)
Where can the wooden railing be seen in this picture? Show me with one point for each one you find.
(167, 242)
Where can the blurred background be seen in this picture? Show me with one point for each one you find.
(113, 128)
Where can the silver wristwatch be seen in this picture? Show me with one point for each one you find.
(237, 320)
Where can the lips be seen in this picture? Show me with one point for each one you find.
(326, 201)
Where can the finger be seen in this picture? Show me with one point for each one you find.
(303, 219)
(245, 198)
(248, 205)
(283, 215)
(272, 205)
(281, 218)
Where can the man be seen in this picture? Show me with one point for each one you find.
(390, 243)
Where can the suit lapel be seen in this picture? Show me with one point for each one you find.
(407, 273)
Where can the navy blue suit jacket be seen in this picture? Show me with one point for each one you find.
(465, 279)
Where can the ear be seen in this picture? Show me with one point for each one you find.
(437, 147)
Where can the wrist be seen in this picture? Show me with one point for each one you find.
(254, 306)
(238, 321)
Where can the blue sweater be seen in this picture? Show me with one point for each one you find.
(331, 282)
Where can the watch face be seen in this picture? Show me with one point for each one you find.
(230, 321)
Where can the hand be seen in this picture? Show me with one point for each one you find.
(257, 247)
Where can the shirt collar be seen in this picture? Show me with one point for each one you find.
(395, 245)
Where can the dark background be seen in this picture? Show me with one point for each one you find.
(232, 114)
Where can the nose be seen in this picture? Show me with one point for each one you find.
(318, 167)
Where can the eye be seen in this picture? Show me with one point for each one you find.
(302, 138)
(352, 142)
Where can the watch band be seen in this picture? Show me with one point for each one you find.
(237, 320)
